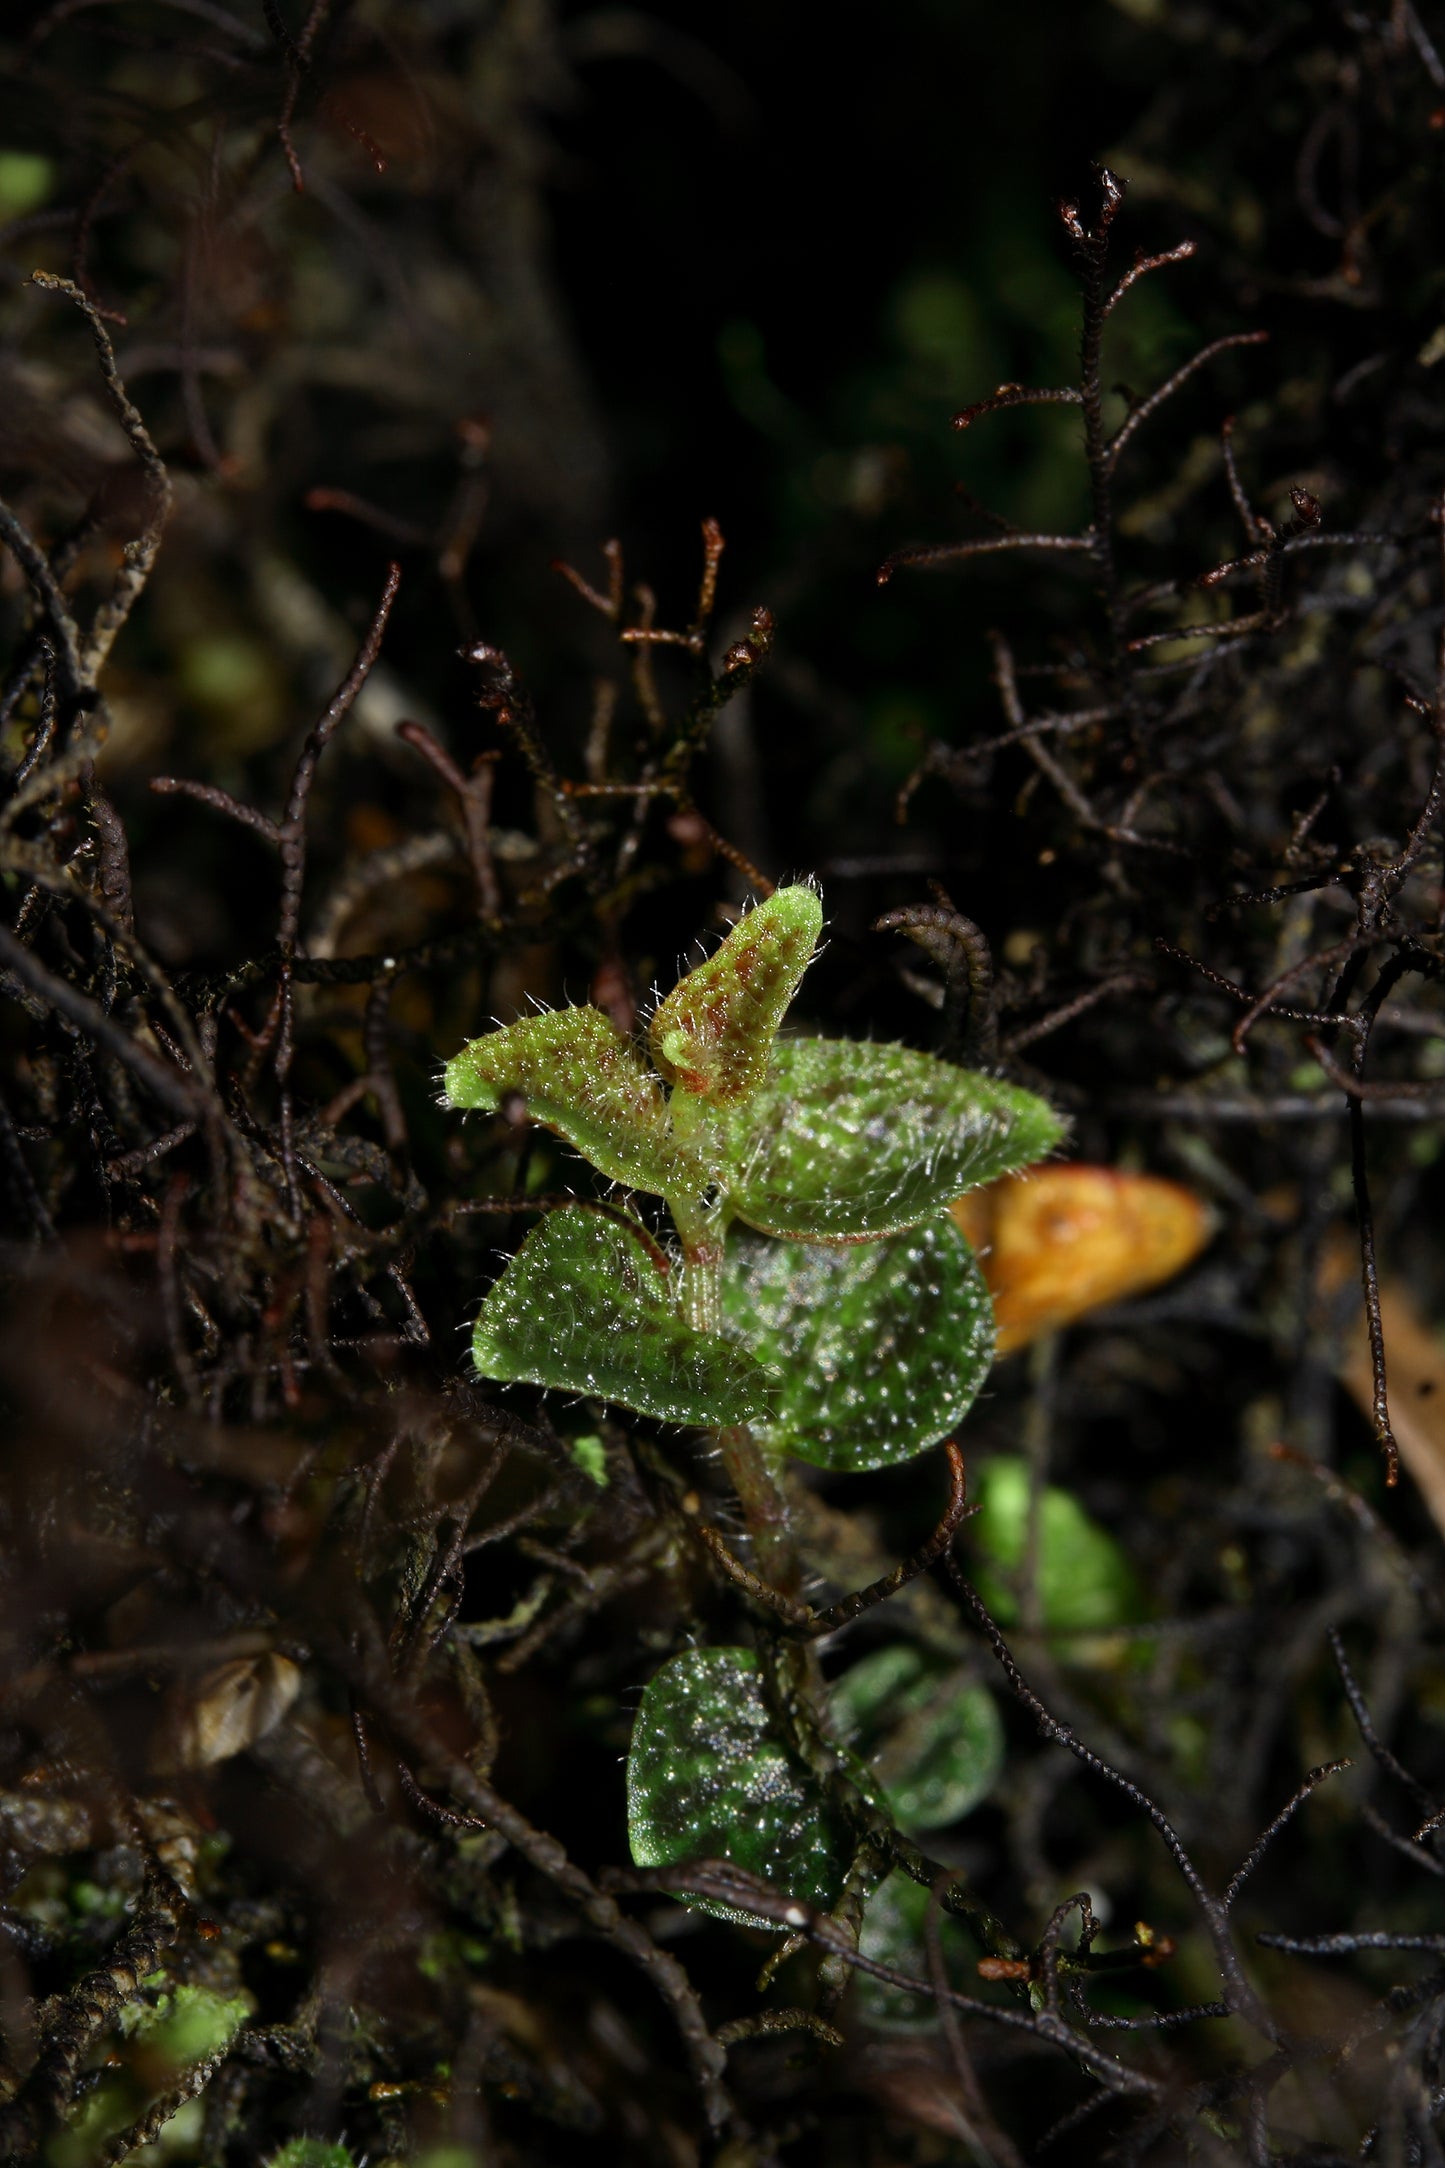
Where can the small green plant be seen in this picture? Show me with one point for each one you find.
(820, 1302)
(846, 1323)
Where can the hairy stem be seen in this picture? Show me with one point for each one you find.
(703, 1234)
(765, 1508)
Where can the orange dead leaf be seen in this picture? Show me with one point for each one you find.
(1066, 1239)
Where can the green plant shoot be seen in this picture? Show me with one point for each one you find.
(848, 1325)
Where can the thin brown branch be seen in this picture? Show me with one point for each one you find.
(1146, 408)
(944, 553)
(1143, 265)
(219, 801)
(291, 829)
(168, 1084)
(140, 554)
(474, 794)
(1016, 395)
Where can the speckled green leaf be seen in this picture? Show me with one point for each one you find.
(846, 1140)
(1086, 1584)
(714, 1032)
(934, 1740)
(577, 1073)
(877, 1348)
(585, 1307)
(707, 1780)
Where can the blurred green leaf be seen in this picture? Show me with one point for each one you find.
(190, 2025)
(894, 1932)
(876, 1349)
(706, 1780)
(941, 328)
(26, 180)
(585, 1307)
(590, 1455)
(1086, 1584)
(934, 1740)
(847, 1140)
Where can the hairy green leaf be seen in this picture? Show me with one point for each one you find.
(1086, 1584)
(706, 1780)
(934, 1740)
(845, 1140)
(586, 1306)
(877, 1349)
(714, 1032)
(578, 1073)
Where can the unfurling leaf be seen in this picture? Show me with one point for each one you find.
(576, 1072)
(934, 1740)
(585, 1306)
(1064, 1239)
(706, 1780)
(714, 1032)
(1086, 1584)
(845, 1141)
(876, 1349)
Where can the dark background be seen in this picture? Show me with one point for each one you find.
(626, 270)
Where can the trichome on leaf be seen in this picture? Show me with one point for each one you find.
(852, 1358)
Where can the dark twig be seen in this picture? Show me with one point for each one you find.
(140, 555)
(543, 1852)
(947, 553)
(1265, 1004)
(45, 671)
(811, 1625)
(1347, 1945)
(984, 2135)
(1359, 1709)
(21, 1182)
(86, 2008)
(970, 1013)
(1173, 383)
(766, 2024)
(727, 1884)
(1358, 1088)
(1370, 1285)
(219, 801)
(113, 860)
(1242, 993)
(1285, 1815)
(1123, 982)
(1240, 1995)
(928, 1554)
(168, 1084)
(1143, 265)
(1016, 395)
(291, 829)
(609, 604)
(474, 794)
